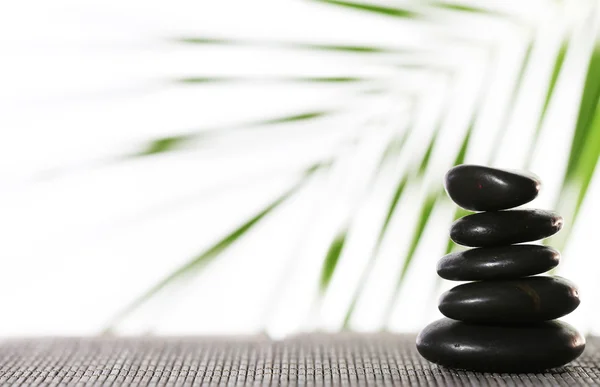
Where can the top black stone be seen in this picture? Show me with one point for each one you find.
(479, 188)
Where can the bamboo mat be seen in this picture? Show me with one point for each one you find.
(307, 360)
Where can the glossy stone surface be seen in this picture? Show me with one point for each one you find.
(525, 300)
(479, 188)
(490, 348)
(493, 263)
(500, 228)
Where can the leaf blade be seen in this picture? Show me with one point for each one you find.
(163, 145)
(217, 79)
(376, 9)
(424, 216)
(556, 70)
(398, 192)
(199, 261)
(191, 40)
(588, 106)
(584, 151)
(331, 259)
(172, 143)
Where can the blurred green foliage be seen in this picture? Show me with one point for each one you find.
(583, 158)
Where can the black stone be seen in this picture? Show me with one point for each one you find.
(525, 300)
(500, 228)
(493, 263)
(489, 348)
(479, 188)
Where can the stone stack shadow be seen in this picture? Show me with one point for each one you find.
(504, 321)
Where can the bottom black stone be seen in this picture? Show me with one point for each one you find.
(490, 348)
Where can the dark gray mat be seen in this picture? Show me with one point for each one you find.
(323, 360)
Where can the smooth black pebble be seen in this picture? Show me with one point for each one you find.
(479, 188)
(524, 300)
(490, 348)
(487, 229)
(493, 263)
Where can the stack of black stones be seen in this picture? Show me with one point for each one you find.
(505, 320)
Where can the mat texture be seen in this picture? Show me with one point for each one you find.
(316, 359)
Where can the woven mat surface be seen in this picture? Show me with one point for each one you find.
(316, 359)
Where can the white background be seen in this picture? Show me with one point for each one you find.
(84, 232)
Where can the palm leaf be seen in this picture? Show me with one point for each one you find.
(377, 9)
(291, 45)
(427, 156)
(214, 79)
(331, 259)
(398, 192)
(585, 148)
(462, 8)
(392, 209)
(412, 173)
(588, 159)
(197, 263)
(417, 172)
(394, 147)
(174, 143)
(424, 216)
(558, 64)
(584, 151)
(423, 219)
(464, 146)
(513, 100)
(165, 144)
(587, 113)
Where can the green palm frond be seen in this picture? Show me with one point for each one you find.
(292, 45)
(332, 258)
(464, 8)
(398, 192)
(558, 64)
(424, 216)
(584, 152)
(525, 62)
(173, 143)
(423, 219)
(581, 158)
(412, 174)
(393, 148)
(199, 262)
(376, 9)
(203, 80)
